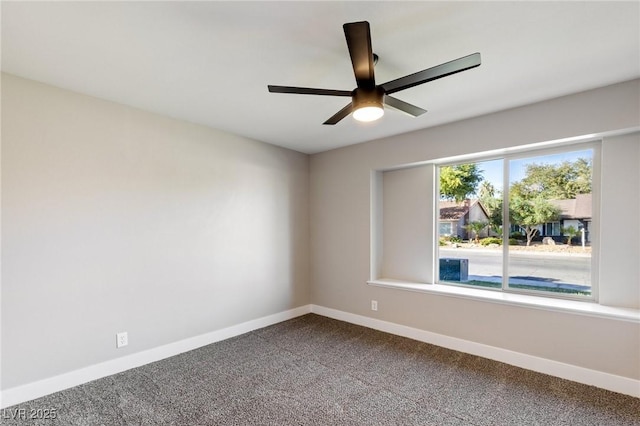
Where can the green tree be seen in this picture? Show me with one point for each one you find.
(560, 181)
(476, 227)
(487, 190)
(492, 202)
(530, 208)
(460, 181)
(570, 232)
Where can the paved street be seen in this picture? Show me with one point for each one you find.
(536, 267)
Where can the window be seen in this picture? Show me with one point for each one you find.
(548, 216)
(445, 228)
(551, 229)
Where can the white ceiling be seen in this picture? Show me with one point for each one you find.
(210, 62)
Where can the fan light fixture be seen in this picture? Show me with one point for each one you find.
(368, 113)
(367, 104)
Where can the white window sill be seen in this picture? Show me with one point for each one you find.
(536, 302)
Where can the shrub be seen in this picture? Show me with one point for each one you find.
(490, 240)
(514, 242)
(518, 236)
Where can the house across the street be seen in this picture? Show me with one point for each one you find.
(576, 212)
(455, 216)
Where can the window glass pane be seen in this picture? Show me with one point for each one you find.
(550, 211)
(470, 224)
(445, 229)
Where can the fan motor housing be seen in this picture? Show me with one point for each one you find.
(362, 97)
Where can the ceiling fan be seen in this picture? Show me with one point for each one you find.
(368, 99)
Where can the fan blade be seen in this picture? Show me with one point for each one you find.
(307, 91)
(340, 114)
(358, 38)
(403, 106)
(430, 74)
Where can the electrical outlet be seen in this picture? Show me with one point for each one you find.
(374, 305)
(122, 339)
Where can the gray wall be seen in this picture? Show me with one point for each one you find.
(340, 232)
(115, 219)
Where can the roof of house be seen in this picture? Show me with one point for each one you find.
(576, 208)
(452, 210)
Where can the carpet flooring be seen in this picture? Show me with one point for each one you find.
(314, 370)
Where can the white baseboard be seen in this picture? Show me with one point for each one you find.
(574, 373)
(50, 385)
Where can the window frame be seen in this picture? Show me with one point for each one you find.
(506, 157)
